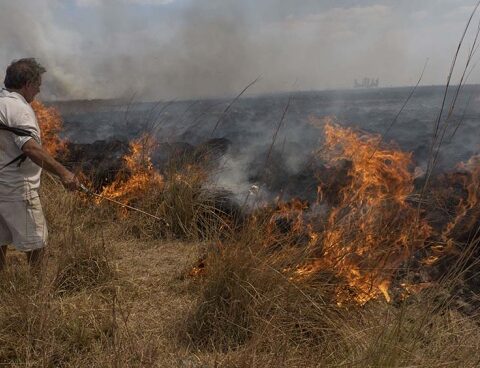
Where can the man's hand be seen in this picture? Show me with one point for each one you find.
(70, 181)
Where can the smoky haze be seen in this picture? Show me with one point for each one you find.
(203, 48)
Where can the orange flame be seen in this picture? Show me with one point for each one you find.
(374, 229)
(142, 173)
(460, 228)
(471, 182)
(292, 212)
(51, 125)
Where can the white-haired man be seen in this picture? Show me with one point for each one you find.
(22, 158)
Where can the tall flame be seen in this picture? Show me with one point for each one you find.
(374, 229)
(140, 176)
(467, 209)
(51, 125)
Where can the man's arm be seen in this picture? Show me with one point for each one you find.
(43, 159)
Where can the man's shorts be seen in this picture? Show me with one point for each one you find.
(23, 225)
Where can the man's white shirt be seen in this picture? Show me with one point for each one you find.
(17, 183)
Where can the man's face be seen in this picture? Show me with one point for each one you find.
(32, 89)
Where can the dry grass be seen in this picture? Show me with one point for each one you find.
(254, 312)
(108, 298)
(251, 315)
(88, 306)
(189, 209)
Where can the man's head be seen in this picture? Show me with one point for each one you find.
(25, 77)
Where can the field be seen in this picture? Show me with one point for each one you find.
(366, 280)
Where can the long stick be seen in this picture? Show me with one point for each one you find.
(89, 192)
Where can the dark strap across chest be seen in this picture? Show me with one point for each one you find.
(21, 133)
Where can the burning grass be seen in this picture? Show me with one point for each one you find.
(338, 282)
(189, 209)
(374, 229)
(248, 296)
(254, 313)
(180, 197)
(138, 176)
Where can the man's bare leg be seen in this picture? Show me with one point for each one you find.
(35, 258)
(3, 257)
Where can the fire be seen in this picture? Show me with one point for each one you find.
(362, 237)
(140, 174)
(291, 216)
(51, 125)
(463, 213)
(373, 230)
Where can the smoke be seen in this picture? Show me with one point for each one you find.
(167, 49)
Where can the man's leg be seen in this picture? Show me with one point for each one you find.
(3, 257)
(5, 238)
(28, 228)
(35, 257)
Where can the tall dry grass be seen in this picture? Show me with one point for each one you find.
(188, 207)
(66, 313)
(247, 310)
(253, 312)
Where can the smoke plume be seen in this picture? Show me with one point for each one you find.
(185, 49)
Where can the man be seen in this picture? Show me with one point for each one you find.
(22, 158)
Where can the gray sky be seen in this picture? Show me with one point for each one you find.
(201, 48)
